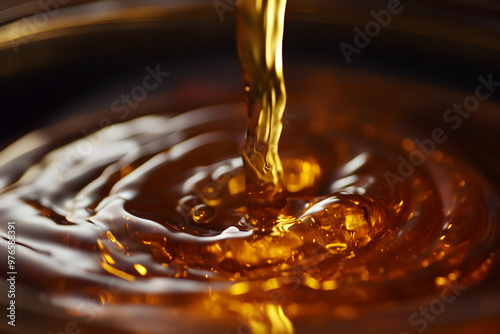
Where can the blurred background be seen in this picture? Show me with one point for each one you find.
(68, 60)
(60, 58)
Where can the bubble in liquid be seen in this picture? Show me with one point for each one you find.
(203, 214)
(340, 222)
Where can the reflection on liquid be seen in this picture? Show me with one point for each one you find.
(153, 222)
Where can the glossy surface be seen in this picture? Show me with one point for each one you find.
(259, 32)
(153, 220)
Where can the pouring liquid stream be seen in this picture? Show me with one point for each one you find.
(259, 30)
(278, 235)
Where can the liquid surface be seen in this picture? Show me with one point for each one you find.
(163, 219)
(154, 222)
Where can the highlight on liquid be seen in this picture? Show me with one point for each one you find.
(155, 223)
(259, 30)
(156, 231)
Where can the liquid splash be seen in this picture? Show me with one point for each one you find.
(156, 221)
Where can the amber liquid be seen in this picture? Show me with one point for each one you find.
(166, 220)
(259, 28)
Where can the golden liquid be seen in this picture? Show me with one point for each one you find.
(165, 220)
(158, 224)
(259, 27)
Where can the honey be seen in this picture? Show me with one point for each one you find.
(260, 26)
(166, 228)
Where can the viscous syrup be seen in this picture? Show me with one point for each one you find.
(164, 228)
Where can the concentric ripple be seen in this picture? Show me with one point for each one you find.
(152, 216)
